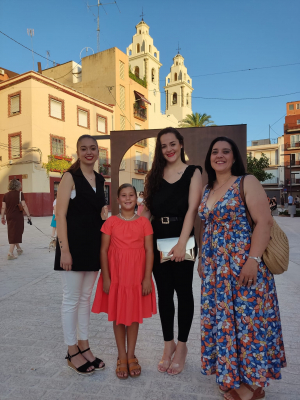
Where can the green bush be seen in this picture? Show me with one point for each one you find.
(142, 82)
(58, 165)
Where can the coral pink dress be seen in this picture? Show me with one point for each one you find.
(127, 261)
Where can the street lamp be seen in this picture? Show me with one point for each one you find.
(290, 155)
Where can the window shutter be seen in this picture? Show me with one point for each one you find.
(122, 122)
(83, 118)
(56, 109)
(123, 164)
(15, 104)
(101, 124)
(122, 97)
(58, 147)
(15, 143)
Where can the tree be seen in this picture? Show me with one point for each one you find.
(196, 119)
(256, 167)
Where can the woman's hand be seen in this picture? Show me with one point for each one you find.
(104, 213)
(199, 268)
(106, 285)
(3, 221)
(146, 286)
(248, 275)
(178, 252)
(66, 261)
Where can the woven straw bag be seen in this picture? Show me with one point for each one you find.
(276, 255)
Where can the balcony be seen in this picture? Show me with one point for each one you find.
(140, 113)
(293, 145)
(272, 181)
(294, 181)
(142, 143)
(293, 126)
(140, 167)
(105, 169)
(294, 163)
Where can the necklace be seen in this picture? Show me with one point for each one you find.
(87, 177)
(126, 219)
(213, 192)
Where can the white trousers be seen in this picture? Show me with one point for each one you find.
(76, 304)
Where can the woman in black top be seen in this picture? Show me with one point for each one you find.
(80, 211)
(172, 197)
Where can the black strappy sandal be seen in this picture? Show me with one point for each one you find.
(82, 370)
(96, 363)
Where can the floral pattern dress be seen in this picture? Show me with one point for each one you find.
(241, 336)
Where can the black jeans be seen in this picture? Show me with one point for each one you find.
(169, 277)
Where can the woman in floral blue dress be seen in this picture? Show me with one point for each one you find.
(241, 335)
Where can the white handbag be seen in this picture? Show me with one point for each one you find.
(165, 245)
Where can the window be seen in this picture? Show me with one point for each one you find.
(101, 124)
(187, 99)
(298, 121)
(138, 156)
(122, 70)
(122, 122)
(168, 80)
(153, 75)
(175, 76)
(176, 62)
(138, 48)
(174, 98)
(291, 106)
(298, 106)
(122, 165)
(122, 97)
(103, 156)
(138, 184)
(130, 52)
(137, 72)
(140, 31)
(57, 145)
(14, 146)
(56, 108)
(14, 104)
(155, 54)
(83, 117)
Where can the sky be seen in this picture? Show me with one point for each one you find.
(215, 37)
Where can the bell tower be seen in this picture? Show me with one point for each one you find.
(144, 63)
(178, 89)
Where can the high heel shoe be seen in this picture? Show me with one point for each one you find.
(178, 368)
(82, 370)
(96, 363)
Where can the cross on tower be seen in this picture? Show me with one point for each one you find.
(178, 48)
(142, 15)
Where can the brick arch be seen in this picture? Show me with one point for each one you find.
(196, 144)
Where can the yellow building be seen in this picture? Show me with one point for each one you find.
(40, 117)
(105, 76)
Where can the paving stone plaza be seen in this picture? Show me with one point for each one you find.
(32, 364)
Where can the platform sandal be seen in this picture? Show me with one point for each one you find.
(19, 251)
(82, 370)
(11, 256)
(96, 363)
(121, 369)
(135, 367)
(258, 394)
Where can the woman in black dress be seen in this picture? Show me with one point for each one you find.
(80, 211)
(172, 196)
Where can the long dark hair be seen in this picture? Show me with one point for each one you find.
(237, 168)
(76, 165)
(155, 175)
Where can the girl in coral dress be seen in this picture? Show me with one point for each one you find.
(125, 289)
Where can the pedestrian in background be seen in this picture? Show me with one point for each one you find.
(290, 200)
(80, 213)
(13, 204)
(241, 336)
(53, 221)
(140, 203)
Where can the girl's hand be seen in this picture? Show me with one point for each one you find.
(178, 252)
(104, 213)
(3, 220)
(248, 275)
(146, 286)
(106, 285)
(66, 261)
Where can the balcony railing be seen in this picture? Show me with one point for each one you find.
(140, 167)
(105, 170)
(140, 113)
(272, 181)
(292, 145)
(288, 127)
(293, 162)
(294, 181)
(142, 143)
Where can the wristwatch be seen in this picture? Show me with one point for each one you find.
(257, 259)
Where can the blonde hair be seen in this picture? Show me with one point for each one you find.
(14, 184)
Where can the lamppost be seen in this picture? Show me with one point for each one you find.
(290, 155)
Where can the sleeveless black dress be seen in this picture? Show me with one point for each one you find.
(83, 224)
